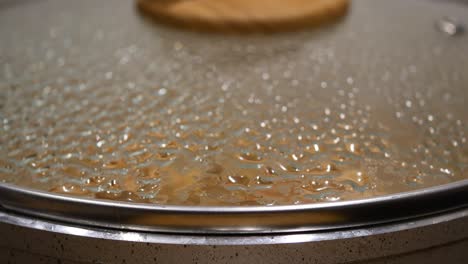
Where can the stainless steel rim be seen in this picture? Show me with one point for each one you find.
(191, 239)
(235, 220)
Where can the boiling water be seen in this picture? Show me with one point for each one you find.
(118, 108)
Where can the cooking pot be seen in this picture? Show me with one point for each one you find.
(409, 51)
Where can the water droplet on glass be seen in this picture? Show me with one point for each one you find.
(248, 156)
(449, 26)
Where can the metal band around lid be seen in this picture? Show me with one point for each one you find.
(235, 220)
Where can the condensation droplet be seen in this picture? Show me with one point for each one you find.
(449, 26)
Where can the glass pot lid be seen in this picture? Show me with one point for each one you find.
(369, 111)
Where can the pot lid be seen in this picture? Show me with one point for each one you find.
(358, 122)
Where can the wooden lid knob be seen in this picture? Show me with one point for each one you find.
(244, 15)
